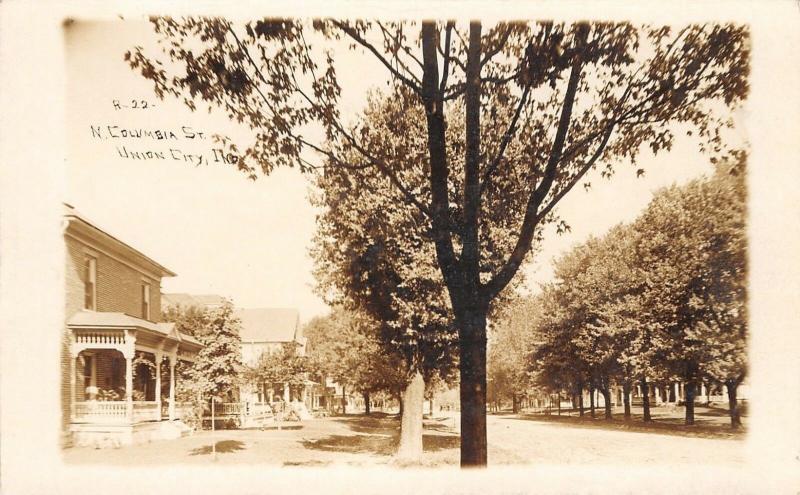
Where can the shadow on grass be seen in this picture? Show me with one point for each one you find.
(664, 424)
(435, 443)
(354, 444)
(379, 434)
(379, 444)
(307, 463)
(222, 447)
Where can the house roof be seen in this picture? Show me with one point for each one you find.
(191, 300)
(269, 324)
(71, 214)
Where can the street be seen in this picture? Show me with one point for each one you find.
(358, 440)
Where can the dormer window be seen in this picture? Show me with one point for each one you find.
(146, 301)
(90, 283)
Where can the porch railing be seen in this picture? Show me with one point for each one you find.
(258, 409)
(239, 409)
(116, 411)
(224, 409)
(101, 412)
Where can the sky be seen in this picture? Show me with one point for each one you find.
(248, 240)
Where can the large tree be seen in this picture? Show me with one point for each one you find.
(345, 347)
(216, 372)
(565, 99)
(374, 256)
(692, 248)
(510, 339)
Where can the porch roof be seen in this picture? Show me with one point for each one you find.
(102, 319)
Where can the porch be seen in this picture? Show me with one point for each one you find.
(123, 377)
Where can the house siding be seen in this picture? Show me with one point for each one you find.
(118, 289)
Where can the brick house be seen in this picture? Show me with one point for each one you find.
(118, 360)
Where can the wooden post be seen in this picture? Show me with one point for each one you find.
(171, 388)
(72, 385)
(129, 385)
(158, 356)
(213, 436)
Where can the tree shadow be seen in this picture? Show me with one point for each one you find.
(435, 443)
(371, 425)
(314, 462)
(663, 424)
(222, 447)
(355, 444)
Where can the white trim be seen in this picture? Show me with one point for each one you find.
(89, 251)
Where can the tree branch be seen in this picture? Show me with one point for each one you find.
(413, 84)
(447, 57)
(439, 172)
(510, 132)
(530, 220)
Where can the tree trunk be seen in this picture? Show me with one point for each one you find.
(591, 400)
(410, 448)
(733, 407)
(646, 400)
(400, 406)
(366, 403)
(514, 403)
(580, 401)
(472, 350)
(607, 399)
(690, 391)
(344, 401)
(558, 398)
(626, 399)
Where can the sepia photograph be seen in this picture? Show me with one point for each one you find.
(414, 242)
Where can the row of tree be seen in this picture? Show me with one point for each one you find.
(662, 299)
(438, 191)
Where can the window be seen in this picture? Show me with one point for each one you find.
(90, 283)
(146, 301)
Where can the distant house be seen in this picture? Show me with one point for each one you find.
(112, 299)
(202, 301)
(268, 330)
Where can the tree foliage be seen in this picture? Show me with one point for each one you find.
(216, 372)
(661, 299)
(344, 346)
(542, 104)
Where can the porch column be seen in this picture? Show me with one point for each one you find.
(129, 384)
(704, 391)
(128, 350)
(159, 356)
(171, 387)
(658, 394)
(677, 393)
(72, 379)
(93, 377)
(286, 391)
